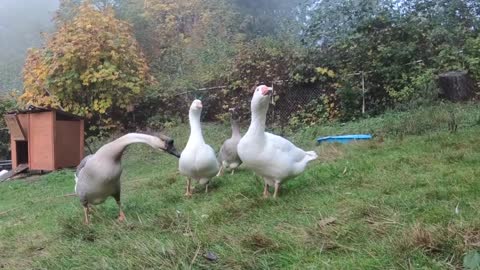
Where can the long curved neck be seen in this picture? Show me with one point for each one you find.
(195, 128)
(115, 149)
(259, 117)
(235, 129)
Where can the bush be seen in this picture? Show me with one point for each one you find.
(6, 104)
(350, 103)
(314, 112)
(422, 91)
(473, 57)
(160, 121)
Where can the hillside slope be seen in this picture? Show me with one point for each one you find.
(407, 199)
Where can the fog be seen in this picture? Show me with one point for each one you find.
(21, 22)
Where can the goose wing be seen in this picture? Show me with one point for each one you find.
(206, 162)
(228, 151)
(284, 147)
(81, 165)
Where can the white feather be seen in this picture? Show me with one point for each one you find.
(198, 160)
(270, 156)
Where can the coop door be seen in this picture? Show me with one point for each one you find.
(22, 152)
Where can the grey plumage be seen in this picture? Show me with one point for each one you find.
(82, 164)
(98, 176)
(228, 156)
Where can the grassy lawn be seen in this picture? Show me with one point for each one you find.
(409, 199)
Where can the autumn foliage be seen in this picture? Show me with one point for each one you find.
(92, 66)
(339, 60)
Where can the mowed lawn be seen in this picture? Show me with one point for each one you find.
(409, 199)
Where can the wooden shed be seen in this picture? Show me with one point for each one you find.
(45, 139)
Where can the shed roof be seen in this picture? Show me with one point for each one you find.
(35, 109)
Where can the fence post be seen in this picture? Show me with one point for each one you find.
(272, 103)
(363, 92)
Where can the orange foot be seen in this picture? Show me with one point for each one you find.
(121, 217)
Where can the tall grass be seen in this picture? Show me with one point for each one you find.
(395, 124)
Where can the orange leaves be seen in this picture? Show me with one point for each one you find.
(33, 78)
(91, 65)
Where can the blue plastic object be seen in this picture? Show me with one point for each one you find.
(344, 138)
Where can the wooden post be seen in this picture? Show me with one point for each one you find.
(363, 92)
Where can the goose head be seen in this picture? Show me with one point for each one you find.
(261, 98)
(196, 107)
(164, 143)
(233, 113)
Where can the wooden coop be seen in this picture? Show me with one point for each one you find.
(45, 139)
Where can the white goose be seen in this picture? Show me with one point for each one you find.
(98, 175)
(198, 160)
(270, 156)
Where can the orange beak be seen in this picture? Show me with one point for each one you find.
(266, 90)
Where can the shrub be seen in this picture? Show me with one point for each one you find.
(350, 103)
(6, 104)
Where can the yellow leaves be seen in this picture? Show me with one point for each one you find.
(336, 85)
(136, 90)
(114, 55)
(26, 96)
(325, 71)
(37, 98)
(101, 105)
(178, 23)
(85, 64)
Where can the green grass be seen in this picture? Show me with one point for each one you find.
(384, 204)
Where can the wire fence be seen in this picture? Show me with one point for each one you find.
(286, 102)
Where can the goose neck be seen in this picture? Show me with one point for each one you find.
(235, 129)
(195, 127)
(257, 124)
(116, 148)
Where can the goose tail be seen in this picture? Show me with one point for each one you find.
(310, 155)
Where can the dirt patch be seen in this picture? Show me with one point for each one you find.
(322, 234)
(259, 242)
(330, 152)
(423, 238)
(472, 238)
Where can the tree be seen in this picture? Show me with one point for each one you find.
(189, 43)
(398, 45)
(92, 66)
(68, 8)
(260, 18)
(330, 20)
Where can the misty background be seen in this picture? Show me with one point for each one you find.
(21, 25)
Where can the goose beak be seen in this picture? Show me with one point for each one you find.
(173, 152)
(171, 148)
(267, 90)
